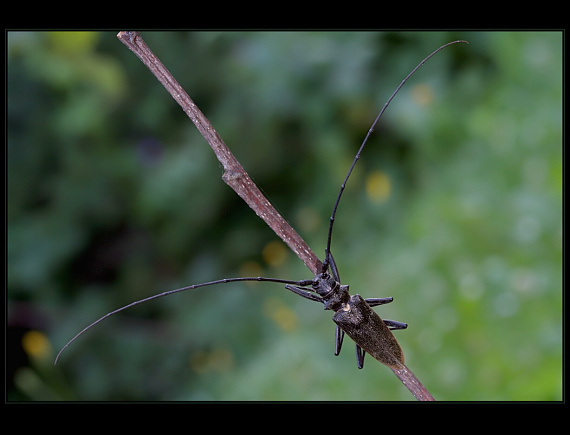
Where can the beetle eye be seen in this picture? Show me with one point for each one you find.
(317, 280)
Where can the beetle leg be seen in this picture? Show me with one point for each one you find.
(334, 269)
(360, 356)
(374, 302)
(303, 292)
(392, 324)
(338, 336)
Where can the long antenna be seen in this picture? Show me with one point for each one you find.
(328, 248)
(304, 282)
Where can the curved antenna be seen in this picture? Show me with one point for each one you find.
(328, 248)
(304, 282)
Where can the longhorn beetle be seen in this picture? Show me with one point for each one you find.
(353, 315)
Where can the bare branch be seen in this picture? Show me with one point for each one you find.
(413, 384)
(234, 175)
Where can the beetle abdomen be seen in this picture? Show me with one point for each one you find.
(367, 329)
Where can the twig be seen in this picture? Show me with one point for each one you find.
(237, 178)
(413, 384)
(234, 175)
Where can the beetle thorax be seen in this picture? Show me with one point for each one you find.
(333, 293)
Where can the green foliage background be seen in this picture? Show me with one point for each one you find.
(113, 195)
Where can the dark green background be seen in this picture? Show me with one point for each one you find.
(113, 196)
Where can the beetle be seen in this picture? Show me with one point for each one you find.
(353, 315)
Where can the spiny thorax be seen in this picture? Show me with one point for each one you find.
(333, 293)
